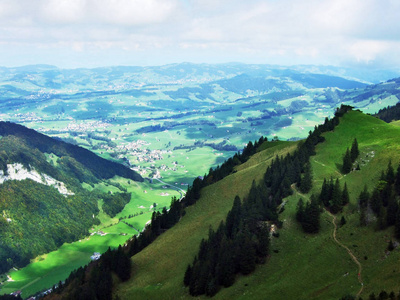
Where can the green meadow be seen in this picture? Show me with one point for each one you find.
(300, 266)
(48, 269)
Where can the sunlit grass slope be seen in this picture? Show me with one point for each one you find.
(158, 270)
(301, 266)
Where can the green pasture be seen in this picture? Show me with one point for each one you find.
(48, 269)
(301, 266)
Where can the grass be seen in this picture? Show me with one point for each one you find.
(48, 269)
(301, 266)
(159, 268)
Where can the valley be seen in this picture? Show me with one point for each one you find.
(172, 124)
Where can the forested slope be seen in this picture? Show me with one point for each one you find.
(42, 202)
(300, 265)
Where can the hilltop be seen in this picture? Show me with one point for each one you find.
(300, 265)
(43, 203)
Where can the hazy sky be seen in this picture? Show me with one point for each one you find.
(90, 33)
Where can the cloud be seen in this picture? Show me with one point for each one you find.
(271, 31)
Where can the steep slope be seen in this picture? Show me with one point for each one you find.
(99, 167)
(301, 266)
(42, 201)
(175, 249)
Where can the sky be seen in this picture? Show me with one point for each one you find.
(93, 33)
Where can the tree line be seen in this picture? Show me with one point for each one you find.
(94, 282)
(242, 240)
(160, 221)
(277, 173)
(382, 202)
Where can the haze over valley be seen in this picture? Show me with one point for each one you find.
(183, 149)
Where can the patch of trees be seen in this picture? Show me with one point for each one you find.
(170, 125)
(95, 281)
(260, 205)
(308, 215)
(10, 297)
(382, 202)
(37, 219)
(242, 240)
(235, 247)
(332, 196)
(390, 113)
(115, 202)
(383, 295)
(350, 157)
(222, 146)
(203, 92)
(160, 222)
(265, 116)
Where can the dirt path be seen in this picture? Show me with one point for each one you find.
(353, 257)
(336, 171)
(179, 190)
(293, 187)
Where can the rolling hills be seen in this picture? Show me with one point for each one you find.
(173, 123)
(301, 266)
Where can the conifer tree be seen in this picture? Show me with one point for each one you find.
(300, 211)
(345, 195)
(363, 216)
(188, 275)
(354, 152)
(336, 202)
(390, 177)
(397, 225)
(306, 180)
(363, 197)
(347, 163)
(397, 181)
(313, 215)
(381, 222)
(375, 201)
(324, 195)
(392, 209)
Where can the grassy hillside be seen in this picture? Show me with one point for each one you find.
(158, 269)
(301, 266)
(43, 202)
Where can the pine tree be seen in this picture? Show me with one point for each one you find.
(300, 210)
(336, 202)
(363, 197)
(397, 226)
(354, 152)
(345, 195)
(363, 216)
(390, 177)
(381, 222)
(188, 276)
(375, 201)
(324, 195)
(347, 163)
(306, 180)
(246, 253)
(397, 181)
(392, 209)
(311, 218)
